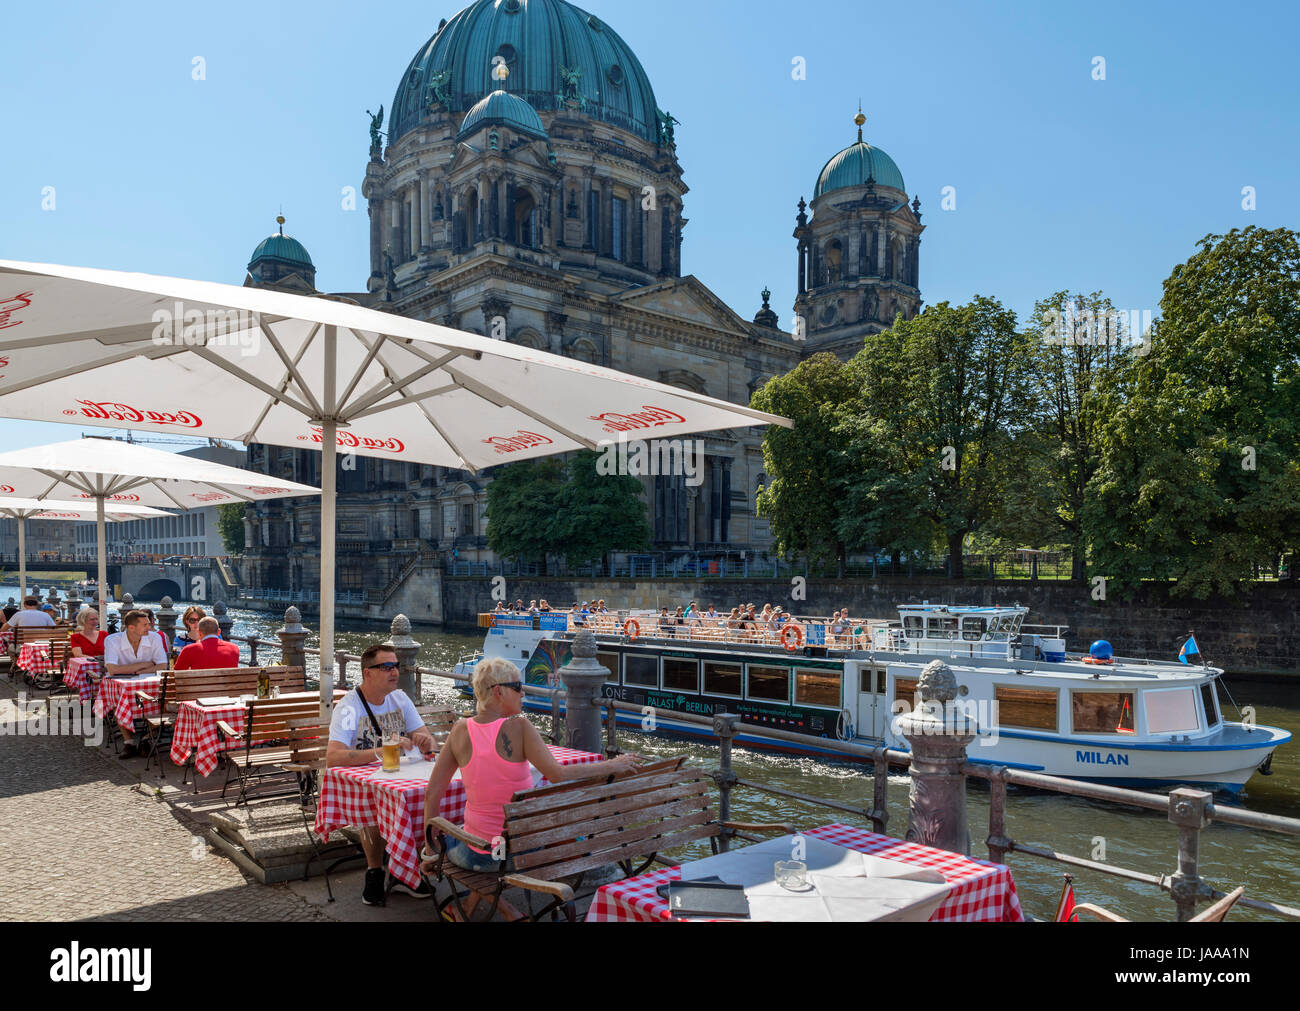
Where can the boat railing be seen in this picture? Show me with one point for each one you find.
(1183, 884)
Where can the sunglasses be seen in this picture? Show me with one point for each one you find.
(391, 665)
(518, 686)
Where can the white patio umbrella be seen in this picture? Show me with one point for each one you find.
(103, 471)
(137, 351)
(24, 509)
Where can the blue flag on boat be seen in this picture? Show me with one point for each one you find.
(1190, 649)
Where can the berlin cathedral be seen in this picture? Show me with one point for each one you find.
(529, 190)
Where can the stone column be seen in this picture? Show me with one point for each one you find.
(224, 621)
(395, 227)
(406, 648)
(606, 217)
(422, 212)
(376, 211)
(167, 616)
(582, 677)
(938, 733)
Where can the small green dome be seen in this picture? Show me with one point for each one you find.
(283, 248)
(855, 165)
(500, 108)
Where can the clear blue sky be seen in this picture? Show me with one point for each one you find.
(1062, 181)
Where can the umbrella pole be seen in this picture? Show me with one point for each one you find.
(103, 561)
(22, 559)
(328, 484)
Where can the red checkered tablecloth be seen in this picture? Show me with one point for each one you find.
(196, 731)
(362, 795)
(82, 674)
(981, 891)
(117, 696)
(35, 658)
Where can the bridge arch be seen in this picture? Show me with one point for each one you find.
(156, 589)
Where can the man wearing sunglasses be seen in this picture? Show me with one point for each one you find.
(360, 720)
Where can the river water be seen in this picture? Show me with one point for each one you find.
(1268, 864)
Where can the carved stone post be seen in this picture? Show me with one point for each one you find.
(167, 616)
(725, 726)
(128, 602)
(582, 677)
(52, 598)
(406, 649)
(73, 604)
(293, 639)
(1191, 810)
(224, 621)
(938, 733)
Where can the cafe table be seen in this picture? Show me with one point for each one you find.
(196, 733)
(83, 674)
(117, 697)
(35, 658)
(364, 795)
(978, 891)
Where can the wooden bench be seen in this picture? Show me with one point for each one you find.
(557, 834)
(267, 742)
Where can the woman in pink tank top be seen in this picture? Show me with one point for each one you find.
(496, 754)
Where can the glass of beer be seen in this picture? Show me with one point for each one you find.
(391, 751)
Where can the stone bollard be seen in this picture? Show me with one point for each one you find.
(53, 599)
(73, 604)
(293, 639)
(583, 677)
(224, 620)
(406, 648)
(725, 726)
(938, 733)
(167, 616)
(1191, 810)
(128, 603)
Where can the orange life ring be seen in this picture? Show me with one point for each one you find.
(786, 636)
(631, 628)
(1093, 659)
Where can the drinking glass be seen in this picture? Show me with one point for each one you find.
(391, 751)
(791, 874)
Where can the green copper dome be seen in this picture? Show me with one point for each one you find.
(552, 49)
(503, 109)
(279, 246)
(854, 165)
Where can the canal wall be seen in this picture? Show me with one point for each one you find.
(1258, 633)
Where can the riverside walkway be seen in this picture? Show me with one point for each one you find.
(81, 840)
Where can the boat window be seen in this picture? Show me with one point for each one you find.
(913, 626)
(1208, 699)
(871, 679)
(610, 662)
(681, 675)
(817, 687)
(905, 692)
(941, 628)
(722, 678)
(772, 684)
(641, 670)
(1102, 712)
(1032, 708)
(1171, 710)
(973, 628)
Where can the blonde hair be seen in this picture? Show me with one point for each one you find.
(493, 671)
(81, 617)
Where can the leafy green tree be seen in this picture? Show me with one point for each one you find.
(521, 508)
(230, 523)
(807, 463)
(1199, 479)
(598, 513)
(948, 393)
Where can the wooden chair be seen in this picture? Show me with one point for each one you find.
(557, 834)
(1210, 914)
(438, 720)
(266, 743)
(60, 650)
(189, 686)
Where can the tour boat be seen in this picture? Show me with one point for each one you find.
(1121, 721)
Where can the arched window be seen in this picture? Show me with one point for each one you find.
(834, 260)
(900, 260)
(471, 218)
(530, 339)
(525, 224)
(583, 350)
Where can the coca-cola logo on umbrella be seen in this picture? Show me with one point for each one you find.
(210, 496)
(108, 411)
(348, 440)
(267, 491)
(647, 417)
(113, 498)
(9, 306)
(518, 442)
(59, 516)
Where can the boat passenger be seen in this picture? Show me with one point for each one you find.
(493, 751)
(88, 639)
(576, 616)
(519, 607)
(533, 609)
(543, 606)
(500, 608)
(667, 624)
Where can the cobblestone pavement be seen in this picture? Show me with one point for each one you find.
(80, 839)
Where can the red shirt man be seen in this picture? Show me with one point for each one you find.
(210, 652)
